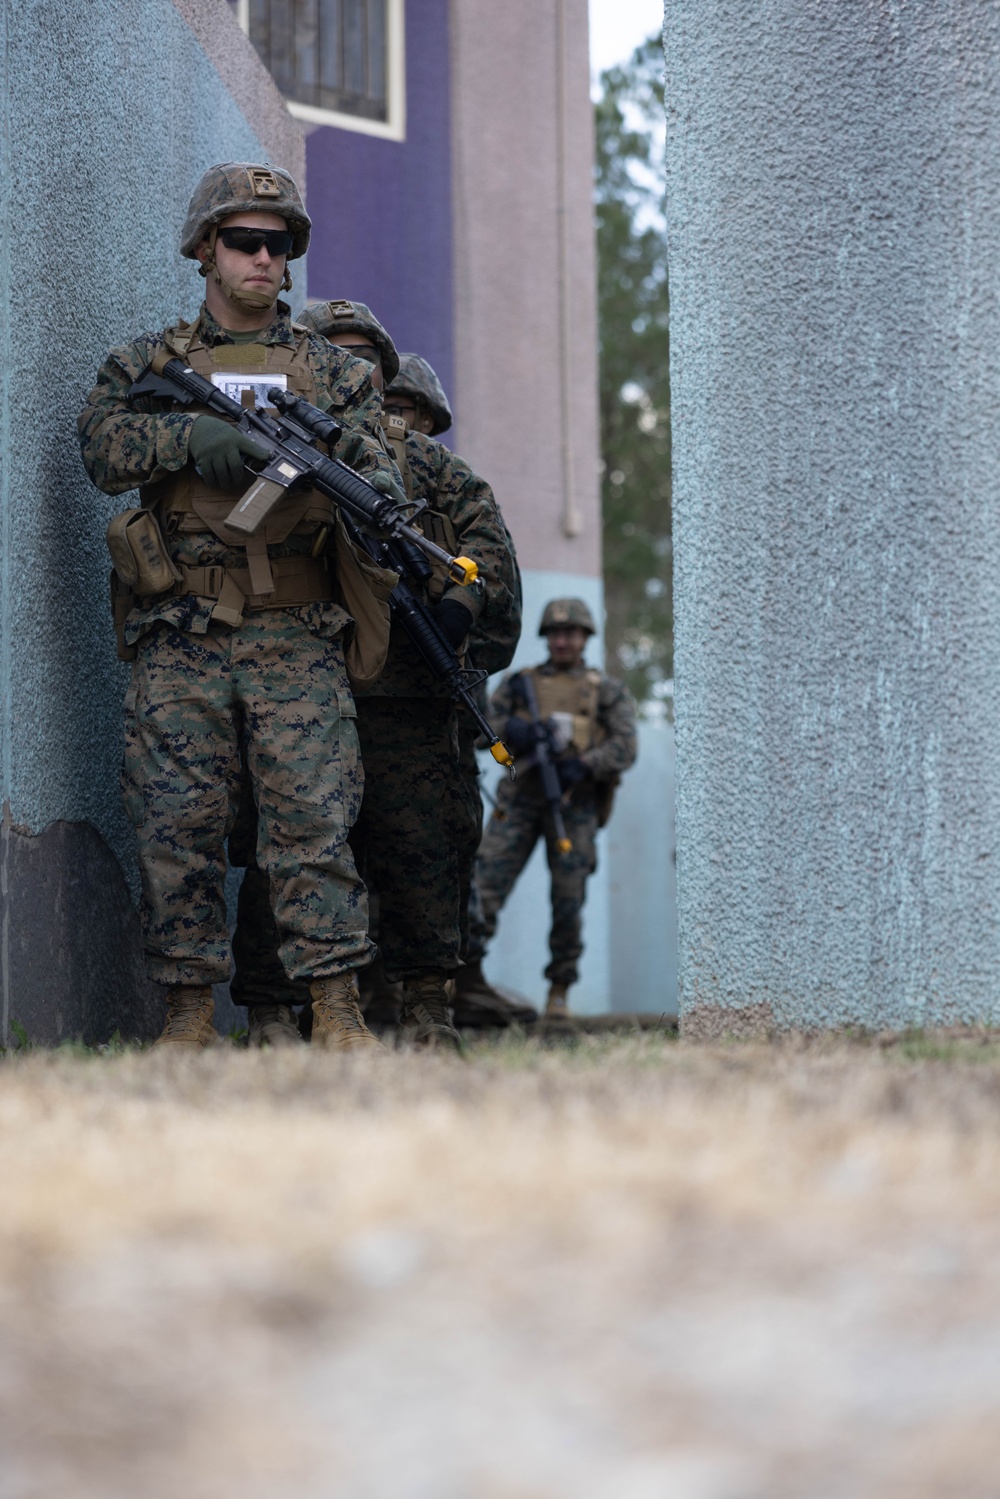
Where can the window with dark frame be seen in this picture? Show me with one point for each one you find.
(327, 53)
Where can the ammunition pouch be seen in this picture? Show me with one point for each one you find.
(139, 553)
(363, 588)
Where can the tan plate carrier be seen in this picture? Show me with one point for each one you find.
(184, 502)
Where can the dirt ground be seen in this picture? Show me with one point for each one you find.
(634, 1269)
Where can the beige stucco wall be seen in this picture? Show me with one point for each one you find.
(525, 285)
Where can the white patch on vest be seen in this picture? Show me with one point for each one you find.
(562, 731)
(234, 383)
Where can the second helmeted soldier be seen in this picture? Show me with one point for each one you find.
(421, 816)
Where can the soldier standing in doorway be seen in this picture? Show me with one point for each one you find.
(586, 722)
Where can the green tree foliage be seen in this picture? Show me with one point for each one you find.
(634, 370)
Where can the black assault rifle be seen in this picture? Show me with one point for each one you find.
(294, 462)
(400, 555)
(542, 757)
(379, 523)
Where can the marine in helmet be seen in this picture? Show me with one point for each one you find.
(353, 326)
(421, 818)
(590, 726)
(416, 394)
(245, 648)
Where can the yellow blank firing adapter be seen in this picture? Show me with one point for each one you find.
(563, 845)
(503, 756)
(463, 570)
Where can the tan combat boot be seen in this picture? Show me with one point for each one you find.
(557, 1005)
(337, 1023)
(189, 1018)
(273, 1025)
(426, 1019)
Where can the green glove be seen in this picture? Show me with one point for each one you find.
(351, 449)
(218, 450)
(385, 484)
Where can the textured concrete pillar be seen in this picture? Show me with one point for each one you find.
(108, 114)
(834, 220)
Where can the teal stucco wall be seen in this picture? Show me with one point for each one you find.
(110, 112)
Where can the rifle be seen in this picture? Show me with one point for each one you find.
(293, 461)
(542, 757)
(400, 555)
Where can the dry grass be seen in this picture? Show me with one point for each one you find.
(636, 1270)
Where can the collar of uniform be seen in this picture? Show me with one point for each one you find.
(278, 331)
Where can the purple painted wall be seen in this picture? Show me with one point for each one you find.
(381, 210)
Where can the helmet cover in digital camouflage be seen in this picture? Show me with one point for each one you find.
(566, 613)
(244, 187)
(416, 378)
(331, 318)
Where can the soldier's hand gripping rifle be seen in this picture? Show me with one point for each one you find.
(542, 757)
(400, 555)
(294, 462)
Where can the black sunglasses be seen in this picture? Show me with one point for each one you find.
(367, 352)
(249, 241)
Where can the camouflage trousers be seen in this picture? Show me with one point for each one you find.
(416, 838)
(470, 905)
(520, 819)
(415, 843)
(278, 686)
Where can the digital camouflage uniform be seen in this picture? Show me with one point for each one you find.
(421, 817)
(521, 818)
(492, 642)
(277, 680)
(258, 976)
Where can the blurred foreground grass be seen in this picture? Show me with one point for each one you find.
(625, 1269)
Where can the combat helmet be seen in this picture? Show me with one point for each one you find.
(416, 378)
(240, 187)
(331, 318)
(566, 612)
(243, 187)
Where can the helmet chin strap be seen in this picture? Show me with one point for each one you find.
(250, 301)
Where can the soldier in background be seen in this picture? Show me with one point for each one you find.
(590, 723)
(247, 647)
(415, 395)
(421, 816)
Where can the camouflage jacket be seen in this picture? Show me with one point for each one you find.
(450, 487)
(615, 719)
(124, 447)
